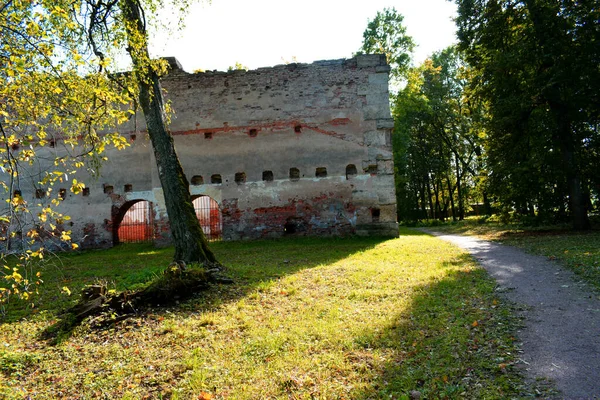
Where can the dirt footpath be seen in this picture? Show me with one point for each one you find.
(561, 336)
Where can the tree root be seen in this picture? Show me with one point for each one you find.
(102, 308)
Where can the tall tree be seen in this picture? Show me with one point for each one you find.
(190, 243)
(58, 90)
(537, 68)
(440, 130)
(386, 34)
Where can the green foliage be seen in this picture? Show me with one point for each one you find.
(386, 34)
(62, 95)
(536, 66)
(58, 110)
(437, 140)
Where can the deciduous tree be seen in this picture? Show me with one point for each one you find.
(61, 96)
(386, 34)
(437, 139)
(536, 65)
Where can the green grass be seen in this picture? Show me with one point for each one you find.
(359, 318)
(578, 251)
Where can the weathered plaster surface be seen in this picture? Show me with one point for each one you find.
(329, 114)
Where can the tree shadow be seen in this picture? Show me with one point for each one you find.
(257, 263)
(454, 340)
(249, 263)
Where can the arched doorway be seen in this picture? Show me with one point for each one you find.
(209, 215)
(134, 223)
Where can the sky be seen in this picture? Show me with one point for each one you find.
(263, 33)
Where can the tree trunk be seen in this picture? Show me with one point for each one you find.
(423, 202)
(431, 209)
(188, 237)
(486, 203)
(451, 191)
(577, 202)
(565, 139)
(461, 201)
(436, 213)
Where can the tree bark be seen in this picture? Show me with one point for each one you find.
(451, 191)
(431, 209)
(577, 203)
(461, 202)
(189, 240)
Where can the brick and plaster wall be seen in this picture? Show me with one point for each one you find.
(300, 149)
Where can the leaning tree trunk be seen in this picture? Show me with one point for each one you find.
(190, 243)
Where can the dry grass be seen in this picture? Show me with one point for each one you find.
(306, 319)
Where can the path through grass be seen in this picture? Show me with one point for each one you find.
(358, 318)
(578, 251)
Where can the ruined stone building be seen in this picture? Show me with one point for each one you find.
(298, 149)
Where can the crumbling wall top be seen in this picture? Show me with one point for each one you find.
(359, 61)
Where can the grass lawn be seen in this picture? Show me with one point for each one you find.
(578, 251)
(359, 318)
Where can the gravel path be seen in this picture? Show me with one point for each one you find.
(561, 336)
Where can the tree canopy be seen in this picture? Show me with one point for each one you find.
(386, 34)
(536, 66)
(437, 140)
(62, 96)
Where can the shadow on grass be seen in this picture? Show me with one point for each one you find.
(454, 341)
(256, 263)
(131, 266)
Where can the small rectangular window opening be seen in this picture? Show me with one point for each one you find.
(267, 176)
(252, 132)
(208, 135)
(128, 188)
(240, 177)
(108, 189)
(351, 171)
(321, 172)
(372, 169)
(132, 137)
(298, 128)
(86, 191)
(62, 193)
(216, 179)
(197, 180)
(375, 213)
(294, 174)
(52, 143)
(17, 193)
(40, 193)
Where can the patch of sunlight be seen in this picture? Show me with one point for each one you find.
(148, 253)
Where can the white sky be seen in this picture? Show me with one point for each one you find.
(262, 33)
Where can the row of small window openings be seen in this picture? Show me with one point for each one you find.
(62, 193)
(240, 177)
(109, 189)
(41, 193)
(251, 132)
(52, 143)
(267, 176)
